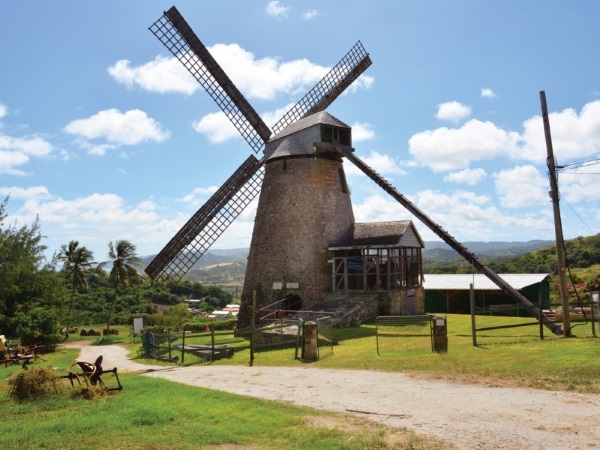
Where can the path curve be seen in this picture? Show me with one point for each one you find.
(470, 416)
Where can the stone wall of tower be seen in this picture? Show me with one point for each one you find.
(303, 206)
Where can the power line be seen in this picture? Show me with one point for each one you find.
(591, 162)
(578, 216)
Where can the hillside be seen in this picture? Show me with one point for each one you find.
(228, 267)
(581, 253)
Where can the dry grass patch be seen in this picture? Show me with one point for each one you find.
(363, 433)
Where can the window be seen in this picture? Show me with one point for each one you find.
(335, 135)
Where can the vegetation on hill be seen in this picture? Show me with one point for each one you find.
(39, 298)
(582, 252)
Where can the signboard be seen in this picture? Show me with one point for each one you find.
(138, 325)
(277, 286)
(292, 285)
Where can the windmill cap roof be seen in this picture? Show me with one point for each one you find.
(298, 138)
(322, 117)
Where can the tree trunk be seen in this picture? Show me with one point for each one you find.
(112, 305)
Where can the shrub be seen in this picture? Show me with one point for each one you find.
(214, 324)
(39, 326)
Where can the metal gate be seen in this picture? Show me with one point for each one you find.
(325, 340)
(398, 334)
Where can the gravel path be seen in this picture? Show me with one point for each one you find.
(470, 416)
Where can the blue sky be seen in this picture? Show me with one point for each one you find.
(104, 136)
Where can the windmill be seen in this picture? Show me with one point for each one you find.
(304, 203)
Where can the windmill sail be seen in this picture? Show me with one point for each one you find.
(453, 243)
(343, 74)
(174, 32)
(192, 241)
(211, 220)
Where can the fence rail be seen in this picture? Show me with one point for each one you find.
(212, 345)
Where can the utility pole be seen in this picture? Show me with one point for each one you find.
(560, 242)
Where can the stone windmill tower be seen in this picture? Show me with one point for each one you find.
(304, 205)
(304, 237)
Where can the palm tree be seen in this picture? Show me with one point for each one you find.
(123, 257)
(76, 264)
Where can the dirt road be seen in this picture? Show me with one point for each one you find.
(470, 416)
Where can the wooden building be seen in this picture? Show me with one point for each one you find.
(383, 258)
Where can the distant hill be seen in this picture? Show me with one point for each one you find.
(212, 258)
(227, 267)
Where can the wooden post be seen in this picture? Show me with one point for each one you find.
(560, 243)
(169, 342)
(541, 302)
(212, 343)
(472, 302)
(183, 345)
(594, 318)
(252, 324)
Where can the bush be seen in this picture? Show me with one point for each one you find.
(40, 325)
(214, 324)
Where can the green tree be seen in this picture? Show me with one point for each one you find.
(24, 281)
(77, 262)
(123, 259)
(39, 325)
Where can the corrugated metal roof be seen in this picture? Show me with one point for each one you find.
(461, 282)
(377, 234)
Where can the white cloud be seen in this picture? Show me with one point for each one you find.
(3, 110)
(381, 163)
(470, 177)
(162, 75)
(464, 215)
(199, 196)
(18, 193)
(265, 78)
(453, 111)
(580, 184)
(239, 233)
(488, 93)
(362, 132)
(15, 152)
(445, 149)
(95, 220)
(521, 187)
(262, 78)
(216, 127)
(272, 117)
(310, 14)
(116, 128)
(362, 82)
(573, 135)
(468, 216)
(275, 9)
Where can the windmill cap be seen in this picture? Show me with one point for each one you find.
(298, 138)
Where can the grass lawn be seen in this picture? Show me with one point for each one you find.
(554, 363)
(157, 414)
